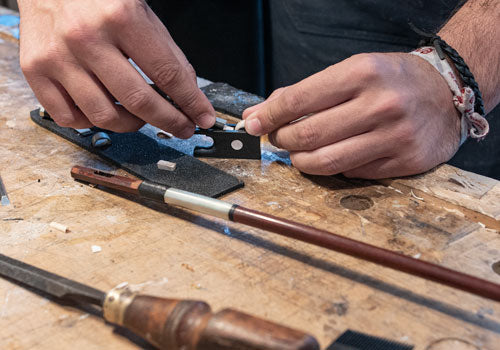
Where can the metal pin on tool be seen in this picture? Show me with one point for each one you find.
(3, 194)
(101, 140)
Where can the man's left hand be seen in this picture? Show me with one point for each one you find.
(372, 115)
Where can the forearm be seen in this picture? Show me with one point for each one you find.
(474, 31)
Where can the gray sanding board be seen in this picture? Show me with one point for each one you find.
(139, 152)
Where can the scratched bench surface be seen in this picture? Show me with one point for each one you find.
(446, 216)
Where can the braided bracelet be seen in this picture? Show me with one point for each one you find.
(467, 99)
(462, 68)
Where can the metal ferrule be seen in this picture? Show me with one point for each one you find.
(198, 203)
(116, 303)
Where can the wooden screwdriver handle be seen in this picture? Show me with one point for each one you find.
(175, 324)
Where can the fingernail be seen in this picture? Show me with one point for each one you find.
(206, 120)
(253, 125)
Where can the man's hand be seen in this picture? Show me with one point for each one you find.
(74, 56)
(370, 116)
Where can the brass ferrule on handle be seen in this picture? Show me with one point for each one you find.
(175, 324)
(116, 303)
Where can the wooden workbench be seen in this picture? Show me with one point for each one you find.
(446, 216)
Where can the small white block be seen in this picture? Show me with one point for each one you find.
(96, 248)
(166, 165)
(59, 227)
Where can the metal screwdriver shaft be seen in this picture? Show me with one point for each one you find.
(291, 229)
(171, 324)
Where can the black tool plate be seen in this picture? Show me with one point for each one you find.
(138, 154)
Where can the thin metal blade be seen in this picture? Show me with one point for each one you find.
(48, 282)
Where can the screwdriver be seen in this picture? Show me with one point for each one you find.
(172, 324)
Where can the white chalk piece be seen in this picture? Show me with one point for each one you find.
(240, 125)
(166, 165)
(96, 249)
(59, 227)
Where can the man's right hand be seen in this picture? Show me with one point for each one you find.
(74, 56)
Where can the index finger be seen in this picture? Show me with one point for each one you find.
(152, 48)
(320, 91)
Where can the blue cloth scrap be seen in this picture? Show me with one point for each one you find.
(9, 20)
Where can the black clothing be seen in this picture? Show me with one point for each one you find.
(271, 43)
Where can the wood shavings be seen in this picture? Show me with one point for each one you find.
(240, 125)
(395, 189)
(166, 165)
(59, 227)
(454, 211)
(11, 124)
(415, 196)
(187, 267)
(121, 285)
(140, 286)
(96, 248)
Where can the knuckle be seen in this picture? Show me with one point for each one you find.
(367, 65)
(293, 100)
(80, 35)
(188, 100)
(307, 136)
(167, 75)
(64, 120)
(393, 104)
(41, 61)
(191, 71)
(105, 118)
(30, 64)
(404, 137)
(271, 115)
(118, 12)
(136, 101)
(330, 165)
